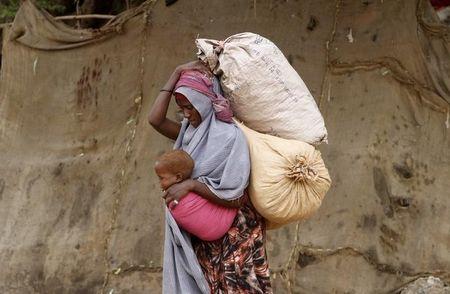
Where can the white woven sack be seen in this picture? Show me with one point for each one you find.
(266, 93)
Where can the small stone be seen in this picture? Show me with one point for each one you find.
(430, 285)
(312, 23)
(403, 170)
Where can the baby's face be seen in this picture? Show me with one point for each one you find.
(166, 178)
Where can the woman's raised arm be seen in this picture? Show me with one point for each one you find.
(158, 114)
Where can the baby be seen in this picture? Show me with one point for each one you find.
(173, 167)
(200, 217)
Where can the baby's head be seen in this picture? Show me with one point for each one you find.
(173, 167)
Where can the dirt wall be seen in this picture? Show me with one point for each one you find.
(80, 207)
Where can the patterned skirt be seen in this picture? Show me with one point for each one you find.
(237, 263)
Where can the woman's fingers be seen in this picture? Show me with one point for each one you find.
(196, 65)
(168, 200)
(202, 67)
(176, 192)
(170, 195)
(189, 65)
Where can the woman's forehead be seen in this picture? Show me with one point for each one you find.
(182, 100)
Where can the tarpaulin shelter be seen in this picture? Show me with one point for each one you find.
(80, 207)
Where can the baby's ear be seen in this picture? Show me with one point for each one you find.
(179, 177)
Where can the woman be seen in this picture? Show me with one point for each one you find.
(237, 262)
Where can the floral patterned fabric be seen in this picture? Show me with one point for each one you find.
(237, 263)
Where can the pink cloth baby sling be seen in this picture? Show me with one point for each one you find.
(202, 218)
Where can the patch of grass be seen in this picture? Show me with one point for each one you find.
(8, 8)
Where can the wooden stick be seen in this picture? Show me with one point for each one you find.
(69, 17)
(78, 13)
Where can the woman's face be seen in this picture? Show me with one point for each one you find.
(189, 112)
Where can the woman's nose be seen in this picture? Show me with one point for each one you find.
(186, 113)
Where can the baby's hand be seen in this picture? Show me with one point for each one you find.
(177, 191)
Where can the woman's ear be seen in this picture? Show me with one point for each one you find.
(179, 177)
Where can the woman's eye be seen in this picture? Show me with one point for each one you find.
(181, 107)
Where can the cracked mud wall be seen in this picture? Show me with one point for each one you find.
(79, 204)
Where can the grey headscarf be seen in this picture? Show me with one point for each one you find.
(222, 162)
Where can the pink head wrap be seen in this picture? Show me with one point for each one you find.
(201, 83)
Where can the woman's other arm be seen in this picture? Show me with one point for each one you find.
(203, 190)
(178, 191)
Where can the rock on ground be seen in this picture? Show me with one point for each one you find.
(430, 285)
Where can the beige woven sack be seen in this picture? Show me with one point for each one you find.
(288, 178)
(265, 91)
